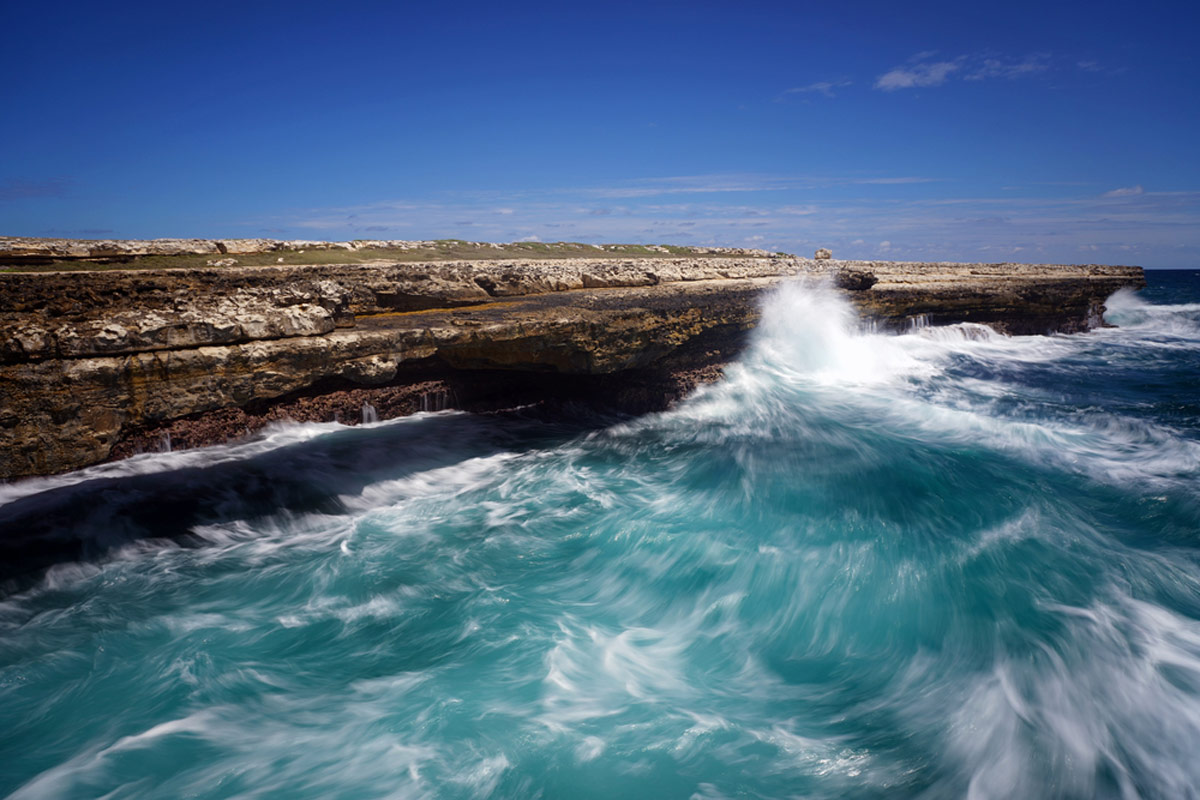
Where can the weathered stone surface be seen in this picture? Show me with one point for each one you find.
(73, 315)
(822, 254)
(93, 363)
(243, 246)
(853, 279)
(21, 247)
(1011, 298)
(18, 249)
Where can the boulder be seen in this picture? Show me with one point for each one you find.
(854, 280)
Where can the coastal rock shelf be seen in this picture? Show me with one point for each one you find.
(96, 365)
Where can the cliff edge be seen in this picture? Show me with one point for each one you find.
(96, 365)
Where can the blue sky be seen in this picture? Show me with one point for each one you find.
(967, 131)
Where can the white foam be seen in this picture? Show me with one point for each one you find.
(273, 437)
(1127, 309)
(1105, 705)
(65, 779)
(812, 360)
(809, 334)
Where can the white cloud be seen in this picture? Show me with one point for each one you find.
(821, 87)
(688, 184)
(998, 68)
(910, 77)
(530, 238)
(894, 181)
(1126, 191)
(721, 183)
(919, 71)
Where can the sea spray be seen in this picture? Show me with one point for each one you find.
(941, 564)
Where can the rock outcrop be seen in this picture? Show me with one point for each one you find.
(25, 250)
(96, 365)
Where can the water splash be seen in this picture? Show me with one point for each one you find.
(436, 400)
(1128, 310)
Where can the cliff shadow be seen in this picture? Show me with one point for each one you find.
(83, 521)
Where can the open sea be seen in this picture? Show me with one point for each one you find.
(942, 564)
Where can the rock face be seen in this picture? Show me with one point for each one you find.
(822, 254)
(97, 365)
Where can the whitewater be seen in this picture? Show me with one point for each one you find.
(942, 563)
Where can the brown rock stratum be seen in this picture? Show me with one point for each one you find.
(99, 365)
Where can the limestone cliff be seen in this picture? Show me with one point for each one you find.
(95, 365)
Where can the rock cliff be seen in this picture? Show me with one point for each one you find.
(100, 364)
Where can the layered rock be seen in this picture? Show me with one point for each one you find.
(94, 365)
(27, 250)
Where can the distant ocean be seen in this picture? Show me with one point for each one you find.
(942, 564)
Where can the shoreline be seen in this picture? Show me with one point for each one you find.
(97, 365)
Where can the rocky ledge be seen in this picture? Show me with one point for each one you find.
(101, 365)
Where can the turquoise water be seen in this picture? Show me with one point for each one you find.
(942, 564)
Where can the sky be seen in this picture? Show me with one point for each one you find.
(971, 131)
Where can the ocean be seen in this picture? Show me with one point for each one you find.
(940, 564)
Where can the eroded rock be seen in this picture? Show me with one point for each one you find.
(89, 360)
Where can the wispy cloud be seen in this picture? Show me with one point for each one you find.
(917, 217)
(825, 88)
(892, 181)
(923, 71)
(1093, 66)
(933, 73)
(1002, 68)
(719, 184)
(682, 186)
